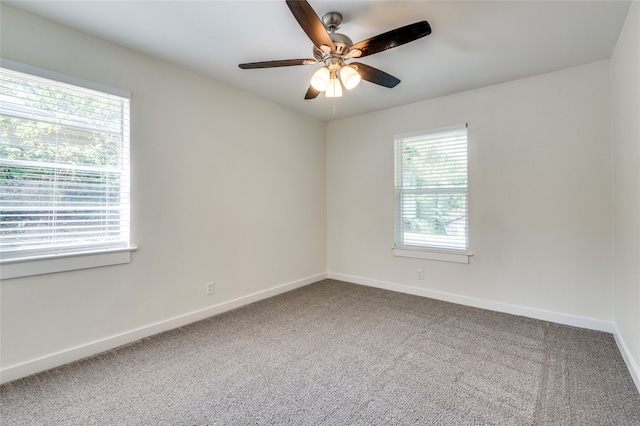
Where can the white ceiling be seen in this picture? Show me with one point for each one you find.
(473, 43)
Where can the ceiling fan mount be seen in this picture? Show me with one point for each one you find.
(332, 21)
(334, 50)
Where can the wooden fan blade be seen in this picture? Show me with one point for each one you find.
(376, 76)
(274, 64)
(311, 24)
(390, 39)
(312, 93)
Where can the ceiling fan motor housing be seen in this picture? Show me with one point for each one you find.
(341, 42)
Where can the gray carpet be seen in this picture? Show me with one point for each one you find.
(334, 353)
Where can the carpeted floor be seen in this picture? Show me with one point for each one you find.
(334, 353)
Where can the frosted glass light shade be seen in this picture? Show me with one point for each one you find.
(334, 89)
(350, 77)
(320, 79)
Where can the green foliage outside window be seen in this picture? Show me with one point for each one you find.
(60, 163)
(429, 167)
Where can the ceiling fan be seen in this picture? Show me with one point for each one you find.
(335, 49)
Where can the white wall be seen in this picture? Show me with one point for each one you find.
(625, 126)
(540, 209)
(224, 189)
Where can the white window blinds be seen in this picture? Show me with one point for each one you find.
(64, 167)
(431, 189)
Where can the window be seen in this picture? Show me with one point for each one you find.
(431, 194)
(64, 166)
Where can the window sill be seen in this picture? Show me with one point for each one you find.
(24, 267)
(443, 256)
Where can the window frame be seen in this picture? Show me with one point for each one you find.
(420, 251)
(67, 259)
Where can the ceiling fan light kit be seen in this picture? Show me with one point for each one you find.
(326, 81)
(320, 79)
(334, 49)
(349, 77)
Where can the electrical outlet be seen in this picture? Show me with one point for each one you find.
(419, 273)
(211, 288)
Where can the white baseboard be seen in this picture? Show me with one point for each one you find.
(576, 321)
(565, 319)
(47, 362)
(633, 368)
